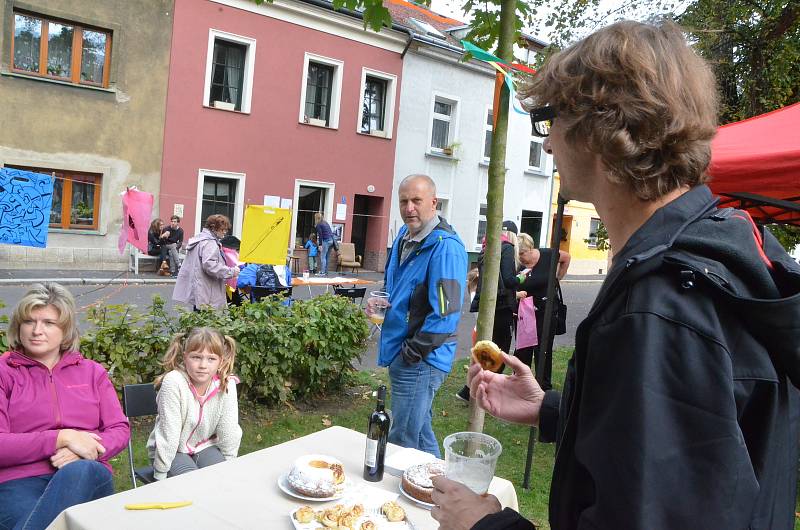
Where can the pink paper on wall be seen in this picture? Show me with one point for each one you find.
(137, 207)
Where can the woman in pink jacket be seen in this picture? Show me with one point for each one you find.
(60, 418)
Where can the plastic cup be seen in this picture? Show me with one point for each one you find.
(306, 274)
(378, 303)
(470, 458)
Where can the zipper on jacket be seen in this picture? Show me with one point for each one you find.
(56, 405)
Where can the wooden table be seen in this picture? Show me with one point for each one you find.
(243, 492)
(328, 282)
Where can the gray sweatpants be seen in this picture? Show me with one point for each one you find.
(183, 463)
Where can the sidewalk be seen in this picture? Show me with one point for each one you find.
(89, 277)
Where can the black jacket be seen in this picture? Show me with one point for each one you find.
(506, 284)
(680, 405)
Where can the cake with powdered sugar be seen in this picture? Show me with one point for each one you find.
(417, 480)
(317, 476)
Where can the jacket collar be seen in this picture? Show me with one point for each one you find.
(68, 358)
(656, 236)
(443, 229)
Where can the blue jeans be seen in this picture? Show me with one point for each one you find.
(326, 246)
(413, 389)
(32, 503)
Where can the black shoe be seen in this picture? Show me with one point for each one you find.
(463, 394)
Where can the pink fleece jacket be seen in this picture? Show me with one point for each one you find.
(35, 403)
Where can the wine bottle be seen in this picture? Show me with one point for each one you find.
(377, 435)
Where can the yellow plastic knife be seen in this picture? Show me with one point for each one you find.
(158, 505)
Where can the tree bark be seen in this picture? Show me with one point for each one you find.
(494, 200)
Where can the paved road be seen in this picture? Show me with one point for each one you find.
(578, 296)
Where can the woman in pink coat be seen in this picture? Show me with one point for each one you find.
(60, 418)
(201, 280)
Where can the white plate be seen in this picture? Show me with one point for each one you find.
(379, 520)
(283, 484)
(424, 504)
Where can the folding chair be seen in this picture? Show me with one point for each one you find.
(260, 292)
(139, 400)
(352, 293)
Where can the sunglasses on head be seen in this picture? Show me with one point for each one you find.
(542, 119)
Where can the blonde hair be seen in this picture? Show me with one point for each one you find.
(511, 237)
(199, 339)
(42, 295)
(472, 280)
(525, 242)
(317, 218)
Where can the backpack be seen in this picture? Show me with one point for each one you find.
(267, 277)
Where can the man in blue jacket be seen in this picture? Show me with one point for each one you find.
(425, 275)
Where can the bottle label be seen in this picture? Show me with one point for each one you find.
(372, 453)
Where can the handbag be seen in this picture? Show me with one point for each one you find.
(559, 321)
(560, 312)
(526, 324)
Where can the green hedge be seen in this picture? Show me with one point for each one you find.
(284, 352)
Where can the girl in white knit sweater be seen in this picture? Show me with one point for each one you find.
(198, 413)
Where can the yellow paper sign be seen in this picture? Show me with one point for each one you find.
(265, 235)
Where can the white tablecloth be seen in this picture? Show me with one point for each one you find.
(243, 492)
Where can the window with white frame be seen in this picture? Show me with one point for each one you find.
(594, 224)
(487, 135)
(229, 71)
(481, 225)
(321, 92)
(377, 103)
(443, 124)
(536, 154)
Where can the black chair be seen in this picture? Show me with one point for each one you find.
(258, 293)
(351, 293)
(139, 400)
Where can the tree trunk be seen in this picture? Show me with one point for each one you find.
(494, 200)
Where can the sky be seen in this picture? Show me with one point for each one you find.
(452, 8)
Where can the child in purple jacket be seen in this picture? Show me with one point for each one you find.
(60, 418)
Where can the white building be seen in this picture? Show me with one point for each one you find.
(447, 104)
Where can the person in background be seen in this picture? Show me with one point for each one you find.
(173, 240)
(311, 245)
(325, 241)
(418, 334)
(60, 418)
(201, 279)
(506, 302)
(198, 410)
(680, 403)
(533, 278)
(156, 245)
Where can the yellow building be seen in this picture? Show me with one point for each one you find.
(578, 235)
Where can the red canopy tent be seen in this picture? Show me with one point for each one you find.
(755, 165)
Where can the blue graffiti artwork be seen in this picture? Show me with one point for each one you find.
(25, 202)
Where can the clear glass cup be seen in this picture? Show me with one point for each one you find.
(377, 304)
(470, 458)
(306, 274)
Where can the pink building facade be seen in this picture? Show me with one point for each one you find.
(288, 104)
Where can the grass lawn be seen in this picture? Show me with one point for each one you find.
(264, 427)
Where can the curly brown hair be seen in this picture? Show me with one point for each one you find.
(218, 222)
(639, 97)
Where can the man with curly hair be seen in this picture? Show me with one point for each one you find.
(680, 407)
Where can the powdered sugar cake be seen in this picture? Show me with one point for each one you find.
(417, 480)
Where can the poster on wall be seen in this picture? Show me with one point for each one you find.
(265, 235)
(25, 202)
(338, 231)
(341, 212)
